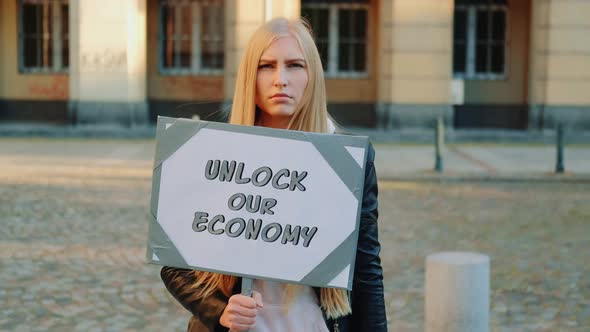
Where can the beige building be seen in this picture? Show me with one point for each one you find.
(519, 64)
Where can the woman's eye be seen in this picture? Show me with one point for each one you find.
(296, 65)
(265, 66)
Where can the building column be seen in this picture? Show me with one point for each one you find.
(108, 62)
(559, 78)
(415, 62)
(243, 18)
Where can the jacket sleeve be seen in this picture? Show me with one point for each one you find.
(368, 308)
(206, 312)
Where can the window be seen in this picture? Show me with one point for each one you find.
(43, 36)
(479, 39)
(191, 37)
(340, 31)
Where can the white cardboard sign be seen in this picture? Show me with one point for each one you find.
(257, 202)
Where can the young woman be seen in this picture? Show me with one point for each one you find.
(280, 84)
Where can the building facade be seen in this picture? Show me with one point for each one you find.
(517, 64)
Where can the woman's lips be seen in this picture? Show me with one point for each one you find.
(280, 95)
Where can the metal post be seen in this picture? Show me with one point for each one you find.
(457, 292)
(438, 143)
(559, 168)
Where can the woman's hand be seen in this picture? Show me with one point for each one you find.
(240, 313)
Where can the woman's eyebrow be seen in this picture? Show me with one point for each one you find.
(288, 60)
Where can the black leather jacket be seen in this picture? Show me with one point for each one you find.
(368, 308)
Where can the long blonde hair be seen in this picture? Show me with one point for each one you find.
(310, 115)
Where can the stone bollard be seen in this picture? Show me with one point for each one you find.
(457, 292)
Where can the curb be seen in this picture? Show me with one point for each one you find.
(90, 131)
(458, 178)
(420, 136)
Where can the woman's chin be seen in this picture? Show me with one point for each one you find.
(280, 112)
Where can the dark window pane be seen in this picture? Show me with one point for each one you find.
(460, 25)
(345, 23)
(48, 53)
(323, 49)
(360, 57)
(65, 20)
(498, 59)
(212, 55)
(459, 58)
(480, 2)
(344, 57)
(319, 19)
(65, 54)
(49, 17)
(65, 42)
(167, 15)
(351, 32)
(321, 23)
(168, 54)
(48, 46)
(186, 22)
(30, 51)
(31, 18)
(481, 54)
(498, 25)
(482, 25)
(212, 37)
(360, 24)
(185, 54)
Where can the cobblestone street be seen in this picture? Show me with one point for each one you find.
(74, 227)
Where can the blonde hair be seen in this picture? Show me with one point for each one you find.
(310, 115)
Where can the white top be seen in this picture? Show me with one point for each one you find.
(302, 314)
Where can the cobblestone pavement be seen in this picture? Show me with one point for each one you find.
(73, 217)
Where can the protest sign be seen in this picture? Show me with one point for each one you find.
(256, 202)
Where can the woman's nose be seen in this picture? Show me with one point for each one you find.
(281, 77)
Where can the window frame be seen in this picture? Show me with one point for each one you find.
(332, 70)
(196, 67)
(471, 42)
(56, 36)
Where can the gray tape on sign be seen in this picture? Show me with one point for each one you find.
(159, 243)
(341, 162)
(334, 263)
(171, 139)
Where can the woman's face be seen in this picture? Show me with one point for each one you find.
(280, 82)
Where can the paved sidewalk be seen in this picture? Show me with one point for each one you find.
(394, 161)
(482, 162)
(74, 229)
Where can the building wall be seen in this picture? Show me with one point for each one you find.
(501, 103)
(560, 62)
(26, 97)
(513, 89)
(363, 90)
(351, 101)
(409, 69)
(177, 95)
(415, 62)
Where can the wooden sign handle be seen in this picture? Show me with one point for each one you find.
(247, 286)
